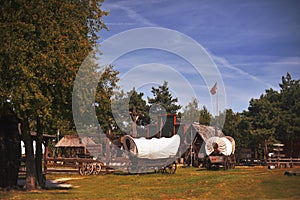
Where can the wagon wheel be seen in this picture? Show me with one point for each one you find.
(97, 168)
(86, 169)
(232, 166)
(207, 164)
(231, 163)
(170, 169)
(226, 163)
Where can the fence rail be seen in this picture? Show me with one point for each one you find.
(71, 165)
(283, 162)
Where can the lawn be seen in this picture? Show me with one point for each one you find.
(187, 183)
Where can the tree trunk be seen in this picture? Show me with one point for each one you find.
(10, 151)
(39, 154)
(31, 182)
(134, 117)
(265, 149)
(134, 131)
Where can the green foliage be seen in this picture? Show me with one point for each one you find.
(289, 105)
(43, 44)
(191, 112)
(138, 106)
(232, 121)
(163, 97)
(130, 107)
(275, 115)
(205, 116)
(105, 91)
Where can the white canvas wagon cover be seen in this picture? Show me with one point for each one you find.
(152, 148)
(226, 145)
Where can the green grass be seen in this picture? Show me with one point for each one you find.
(187, 183)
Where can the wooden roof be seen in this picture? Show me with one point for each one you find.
(206, 132)
(74, 141)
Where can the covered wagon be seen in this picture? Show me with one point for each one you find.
(152, 154)
(202, 139)
(220, 152)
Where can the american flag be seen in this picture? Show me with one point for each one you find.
(213, 90)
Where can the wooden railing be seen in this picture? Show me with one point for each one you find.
(67, 165)
(283, 162)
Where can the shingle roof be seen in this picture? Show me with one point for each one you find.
(74, 141)
(207, 132)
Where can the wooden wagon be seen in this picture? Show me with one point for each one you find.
(152, 155)
(220, 153)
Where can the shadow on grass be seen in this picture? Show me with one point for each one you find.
(58, 184)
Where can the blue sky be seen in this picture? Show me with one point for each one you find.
(253, 43)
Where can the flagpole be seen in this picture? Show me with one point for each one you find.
(217, 103)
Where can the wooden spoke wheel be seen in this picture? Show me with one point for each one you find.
(97, 168)
(170, 169)
(86, 169)
(226, 163)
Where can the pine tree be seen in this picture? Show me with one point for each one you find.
(163, 100)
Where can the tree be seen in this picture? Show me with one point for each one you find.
(42, 47)
(191, 112)
(130, 109)
(163, 102)
(10, 151)
(289, 104)
(138, 105)
(263, 118)
(138, 110)
(243, 138)
(205, 116)
(231, 122)
(219, 120)
(275, 115)
(105, 91)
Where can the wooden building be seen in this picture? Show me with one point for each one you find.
(74, 146)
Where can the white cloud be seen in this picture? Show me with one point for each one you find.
(223, 62)
(130, 13)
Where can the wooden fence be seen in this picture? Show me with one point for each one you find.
(283, 162)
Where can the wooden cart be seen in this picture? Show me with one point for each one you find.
(152, 155)
(220, 153)
(215, 162)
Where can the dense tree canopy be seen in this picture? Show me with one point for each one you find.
(274, 117)
(43, 44)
